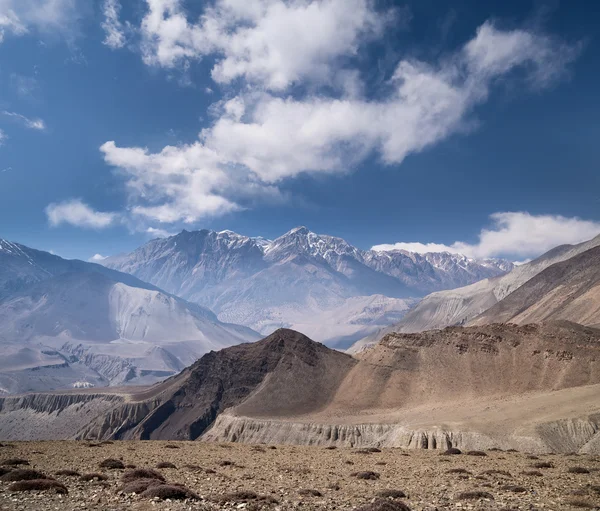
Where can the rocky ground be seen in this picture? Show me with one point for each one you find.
(235, 476)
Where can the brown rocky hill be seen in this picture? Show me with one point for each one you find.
(569, 290)
(531, 387)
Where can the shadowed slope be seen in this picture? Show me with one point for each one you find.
(568, 290)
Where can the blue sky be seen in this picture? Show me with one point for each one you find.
(469, 125)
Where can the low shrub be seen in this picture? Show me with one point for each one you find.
(367, 450)
(22, 474)
(112, 464)
(513, 488)
(476, 453)
(331, 447)
(458, 471)
(165, 464)
(244, 496)
(366, 475)
(140, 485)
(384, 505)
(169, 491)
(39, 485)
(141, 473)
(578, 470)
(171, 446)
(68, 472)
(451, 451)
(474, 495)
(13, 462)
(543, 464)
(391, 494)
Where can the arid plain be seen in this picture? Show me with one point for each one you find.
(238, 476)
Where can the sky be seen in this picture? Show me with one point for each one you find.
(465, 126)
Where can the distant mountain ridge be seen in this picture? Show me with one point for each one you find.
(73, 323)
(285, 282)
(567, 290)
(501, 299)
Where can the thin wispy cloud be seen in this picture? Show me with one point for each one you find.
(114, 30)
(34, 124)
(20, 17)
(516, 234)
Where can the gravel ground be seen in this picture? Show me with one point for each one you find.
(429, 480)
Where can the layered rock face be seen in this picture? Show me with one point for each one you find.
(531, 388)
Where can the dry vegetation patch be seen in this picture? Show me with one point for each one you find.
(39, 485)
(13, 462)
(384, 505)
(23, 474)
(68, 472)
(165, 464)
(141, 473)
(366, 475)
(112, 464)
(169, 491)
(391, 494)
(578, 470)
(474, 495)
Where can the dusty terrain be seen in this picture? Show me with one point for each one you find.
(429, 479)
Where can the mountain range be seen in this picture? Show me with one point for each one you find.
(318, 284)
(67, 323)
(461, 305)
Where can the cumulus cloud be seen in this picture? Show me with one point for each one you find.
(34, 124)
(513, 234)
(264, 41)
(260, 138)
(77, 213)
(114, 30)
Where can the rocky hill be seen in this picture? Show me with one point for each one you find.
(529, 387)
(568, 290)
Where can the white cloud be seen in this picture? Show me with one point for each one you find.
(158, 233)
(112, 26)
(271, 42)
(18, 17)
(77, 213)
(96, 258)
(3, 137)
(34, 124)
(263, 134)
(513, 234)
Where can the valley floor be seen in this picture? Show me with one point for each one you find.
(429, 479)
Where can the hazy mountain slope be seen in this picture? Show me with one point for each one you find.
(567, 290)
(530, 387)
(269, 284)
(74, 323)
(458, 306)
